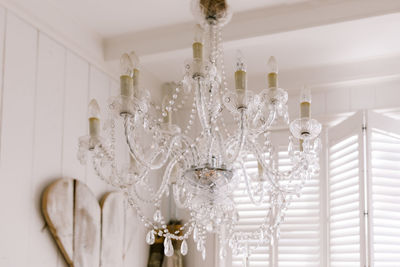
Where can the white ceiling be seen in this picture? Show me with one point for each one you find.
(334, 44)
(317, 35)
(115, 17)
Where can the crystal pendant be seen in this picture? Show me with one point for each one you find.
(184, 248)
(157, 216)
(195, 234)
(222, 253)
(203, 254)
(209, 227)
(200, 245)
(168, 248)
(150, 239)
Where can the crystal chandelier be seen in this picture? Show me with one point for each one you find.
(204, 170)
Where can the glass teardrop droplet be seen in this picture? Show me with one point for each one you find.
(222, 253)
(150, 239)
(184, 248)
(168, 248)
(157, 216)
(195, 234)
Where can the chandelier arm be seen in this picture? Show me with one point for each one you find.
(190, 148)
(118, 181)
(177, 198)
(268, 123)
(251, 195)
(272, 172)
(155, 197)
(200, 103)
(139, 158)
(232, 141)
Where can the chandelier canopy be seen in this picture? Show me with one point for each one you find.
(204, 168)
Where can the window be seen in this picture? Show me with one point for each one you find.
(300, 238)
(361, 188)
(364, 186)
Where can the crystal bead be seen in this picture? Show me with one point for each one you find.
(203, 254)
(157, 216)
(222, 253)
(168, 248)
(150, 239)
(209, 227)
(200, 245)
(184, 248)
(195, 234)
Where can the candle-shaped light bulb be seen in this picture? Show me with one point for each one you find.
(198, 34)
(135, 72)
(126, 65)
(305, 103)
(198, 43)
(94, 118)
(135, 60)
(272, 72)
(240, 64)
(126, 82)
(240, 78)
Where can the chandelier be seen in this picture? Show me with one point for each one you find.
(204, 168)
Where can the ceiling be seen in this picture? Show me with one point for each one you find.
(321, 38)
(115, 17)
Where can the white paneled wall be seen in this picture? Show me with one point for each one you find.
(45, 91)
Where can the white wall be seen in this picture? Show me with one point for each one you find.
(45, 89)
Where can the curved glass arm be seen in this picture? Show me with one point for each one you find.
(105, 167)
(299, 169)
(161, 156)
(238, 143)
(201, 104)
(251, 194)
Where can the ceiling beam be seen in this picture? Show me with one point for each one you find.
(252, 24)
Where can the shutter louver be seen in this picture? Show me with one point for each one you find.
(385, 175)
(250, 218)
(344, 205)
(299, 243)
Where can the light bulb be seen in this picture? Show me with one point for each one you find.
(126, 65)
(198, 34)
(305, 102)
(94, 109)
(94, 118)
(240, 64)
(135, 60)
(198, 45)
(272, 65)
(305, 95)
(272, 73)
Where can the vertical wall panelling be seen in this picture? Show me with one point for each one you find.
(45, 89)
(3, 18)
(17, 140)
(47, 143)
(75, 114)
(99, 88)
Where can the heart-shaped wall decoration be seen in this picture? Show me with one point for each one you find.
(88, 234)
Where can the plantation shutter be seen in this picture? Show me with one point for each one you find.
(384, 175)
(299, 243)
(300, 239)
(251, 216)
(345, 197)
